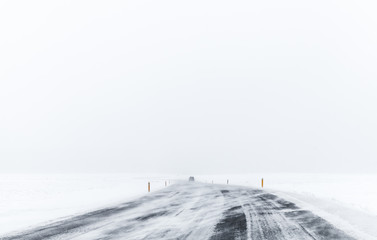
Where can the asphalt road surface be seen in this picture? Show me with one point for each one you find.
(193, 211)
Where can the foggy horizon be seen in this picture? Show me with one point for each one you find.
(196, 87)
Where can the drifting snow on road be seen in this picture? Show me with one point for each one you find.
(194, 211)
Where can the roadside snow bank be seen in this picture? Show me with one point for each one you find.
(354, 222)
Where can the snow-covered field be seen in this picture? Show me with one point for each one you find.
(30, 200)
(347, 201)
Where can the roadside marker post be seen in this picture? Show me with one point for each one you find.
(227, 181)
(262, 182)
(165, 183)
(149, 186)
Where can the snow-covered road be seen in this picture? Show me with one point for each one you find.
(193, 211)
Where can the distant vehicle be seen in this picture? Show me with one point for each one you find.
(191, 179)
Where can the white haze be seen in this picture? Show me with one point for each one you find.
(188, 86)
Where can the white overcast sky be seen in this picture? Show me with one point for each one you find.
(205, 86)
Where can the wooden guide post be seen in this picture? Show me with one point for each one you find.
(149, 186)
(262, 182)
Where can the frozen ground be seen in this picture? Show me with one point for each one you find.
(192, 210)
(346, 202)
(30, 200)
